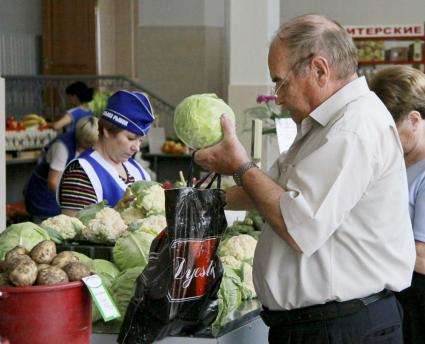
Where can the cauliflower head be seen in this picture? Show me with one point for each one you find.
(150, 197)
(241, 247)
(106, 227)
(230, 262)
(152, 200)
(153, 224)
(66, 226)
(132, 215)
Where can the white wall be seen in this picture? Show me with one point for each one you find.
(250, 29)
(171, 13)
(181, 13)
(21, 16)
(214, 13)
(358, 12)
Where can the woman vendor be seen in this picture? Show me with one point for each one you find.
(79, 95)
(103, 173)
(40, 190)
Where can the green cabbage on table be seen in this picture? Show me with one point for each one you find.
(26, 234)
(132, 250)
(123, 287)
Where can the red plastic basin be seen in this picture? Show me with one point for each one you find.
(52, 314)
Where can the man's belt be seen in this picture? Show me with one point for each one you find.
(330, 310)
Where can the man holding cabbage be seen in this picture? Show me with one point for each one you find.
(337, 239)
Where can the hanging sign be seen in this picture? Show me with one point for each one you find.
(373, 31)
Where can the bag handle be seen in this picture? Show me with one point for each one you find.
(202, 181)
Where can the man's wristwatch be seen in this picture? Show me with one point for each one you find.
(237, 176)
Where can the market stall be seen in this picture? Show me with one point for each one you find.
(119, 253)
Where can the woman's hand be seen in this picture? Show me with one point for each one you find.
(227, 155)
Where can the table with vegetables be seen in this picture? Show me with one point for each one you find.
(63, 249)
(127, 230)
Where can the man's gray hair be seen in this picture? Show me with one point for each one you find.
(311, 35)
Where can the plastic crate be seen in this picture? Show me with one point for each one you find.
(91, 250)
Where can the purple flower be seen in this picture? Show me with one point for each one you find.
(263, 98)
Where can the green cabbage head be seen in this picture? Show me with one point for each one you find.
(123, 287)
(26, 234)
(132, 250)
(197, 120)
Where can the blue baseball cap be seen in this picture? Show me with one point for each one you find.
(129, 110)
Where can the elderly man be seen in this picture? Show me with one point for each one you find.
(337, 238)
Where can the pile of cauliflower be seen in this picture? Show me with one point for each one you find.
(141, 208)
(143, 198)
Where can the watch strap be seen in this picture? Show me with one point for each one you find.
(237, 176)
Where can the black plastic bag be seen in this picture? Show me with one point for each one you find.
(177, 291)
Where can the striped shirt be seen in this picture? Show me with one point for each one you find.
(76, 190)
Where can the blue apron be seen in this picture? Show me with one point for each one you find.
(76, 113)
(40, 201)
(106, 183)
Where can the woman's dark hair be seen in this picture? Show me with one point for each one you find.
(80, 89)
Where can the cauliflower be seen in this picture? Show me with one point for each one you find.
(152, 199)
(66, 227)
(149, 197)
(231, 262)
(132, 215)
(241, 247)
(106, 227)
(153, 224)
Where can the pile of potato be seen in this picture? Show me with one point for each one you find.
(41, 266)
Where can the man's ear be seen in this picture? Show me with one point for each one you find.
(320, 69)
(414, 118)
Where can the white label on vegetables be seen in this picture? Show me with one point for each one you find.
(101, 298)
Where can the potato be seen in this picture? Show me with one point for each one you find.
(76, 271)
(14, 261)
(16, 251)
(64, 258)
(42, 266)
(24, 273)
(51, 275)
(4, 279)
(43, 252)
(3, 266)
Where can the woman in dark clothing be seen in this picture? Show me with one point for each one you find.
(40, 190)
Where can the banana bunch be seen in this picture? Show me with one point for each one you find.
(32, 120)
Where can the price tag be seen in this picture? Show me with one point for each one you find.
(101, 298)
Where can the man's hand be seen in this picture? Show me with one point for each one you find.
(227, 155)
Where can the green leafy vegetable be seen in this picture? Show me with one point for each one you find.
(197, 120)
(26, 234)
(123, 287)
(132, 250)
(107, 271)
(83, 258)
(98, 104)
(229, 295)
